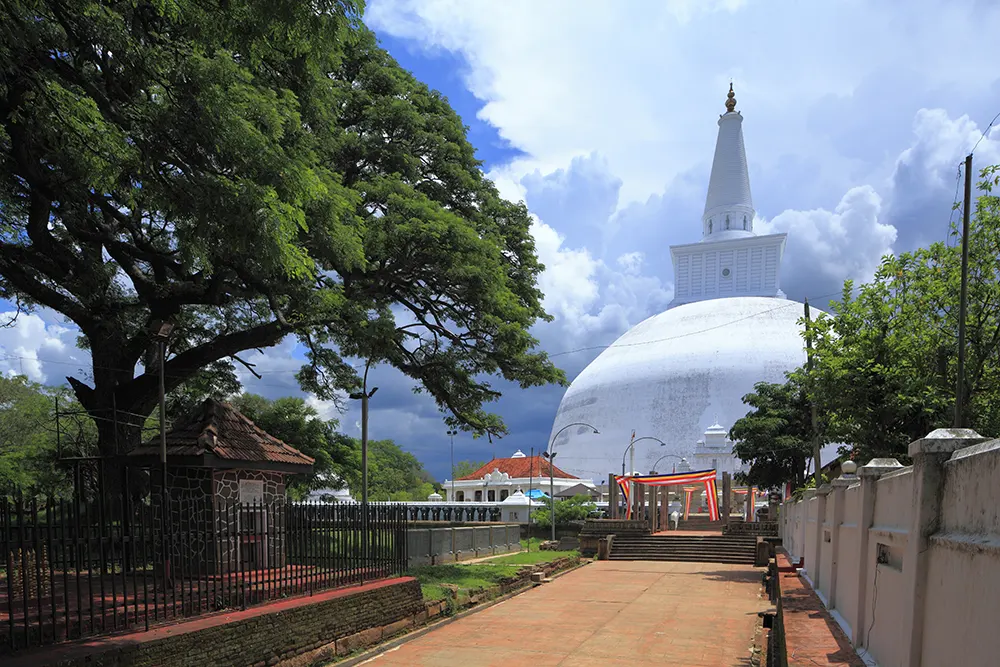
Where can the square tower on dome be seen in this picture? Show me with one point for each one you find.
(731, 259)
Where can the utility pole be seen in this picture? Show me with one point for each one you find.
(452, 433)
(812, 402)
(531, 465)
(964, 296)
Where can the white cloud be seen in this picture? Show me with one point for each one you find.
(39, 348)
(631, 262)
(638, 81)
(824, 248)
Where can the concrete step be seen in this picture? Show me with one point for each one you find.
(685, 559)
(685, 548)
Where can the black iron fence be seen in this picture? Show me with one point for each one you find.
(76, 568)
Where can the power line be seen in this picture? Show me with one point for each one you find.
(985, 132)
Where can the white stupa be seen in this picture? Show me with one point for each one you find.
(680, 376)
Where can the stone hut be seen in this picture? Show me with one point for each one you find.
(225, 489)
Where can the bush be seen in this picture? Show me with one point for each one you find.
(576, 508)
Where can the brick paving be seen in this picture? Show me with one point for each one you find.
(812, 637)
(609, 613)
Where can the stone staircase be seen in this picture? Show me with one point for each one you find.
(702, 522)
(698, 548)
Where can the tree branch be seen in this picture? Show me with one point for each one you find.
(248, 365)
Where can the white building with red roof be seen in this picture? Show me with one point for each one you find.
(503, 477)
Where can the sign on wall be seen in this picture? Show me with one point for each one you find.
(251, 491)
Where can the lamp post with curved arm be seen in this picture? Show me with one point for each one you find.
(668, 456)
(631, 448)
(552, 442)
(550, 456)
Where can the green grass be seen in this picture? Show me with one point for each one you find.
(530, 558)
(464, 577)
(482, 574)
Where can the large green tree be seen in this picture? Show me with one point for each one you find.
(886, 361)
(775, 438)
(250, 170)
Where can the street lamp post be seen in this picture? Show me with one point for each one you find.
(452, 433)
(552, 496)
(160, 332)
(364, 395)
(631, 446)
(550, 455)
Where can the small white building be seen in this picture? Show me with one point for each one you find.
(517, 507)
(503, 477)
(715, 451)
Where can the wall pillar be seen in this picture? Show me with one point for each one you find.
(837, 498)
(929, 455)
(636, 501)
(821, 499)
(869, 474)
(613, 510)
(727, 485)
(653, 493)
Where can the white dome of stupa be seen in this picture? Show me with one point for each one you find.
(680, 376)
(673, 377)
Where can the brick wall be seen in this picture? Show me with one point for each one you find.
(342, 621)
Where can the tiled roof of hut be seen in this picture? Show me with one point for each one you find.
(219, 429)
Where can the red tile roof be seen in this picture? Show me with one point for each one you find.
(520, 466)
(220, 430)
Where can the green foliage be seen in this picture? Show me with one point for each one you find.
(251, 171)
(886, 363)
(775, 438)
(28, 444)
(465, 468)
(576, 508)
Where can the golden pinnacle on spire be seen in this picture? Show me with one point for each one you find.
(730, 99)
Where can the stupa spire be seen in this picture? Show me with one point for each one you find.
(729, 206)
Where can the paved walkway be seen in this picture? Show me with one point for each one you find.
(812, 637)
(608, 613)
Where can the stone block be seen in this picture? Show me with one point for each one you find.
(536, 577)
(397, 627)
(569, 543)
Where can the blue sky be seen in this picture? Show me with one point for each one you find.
(601, 116)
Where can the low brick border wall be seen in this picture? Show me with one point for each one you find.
(348, 619)
(433, 610)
